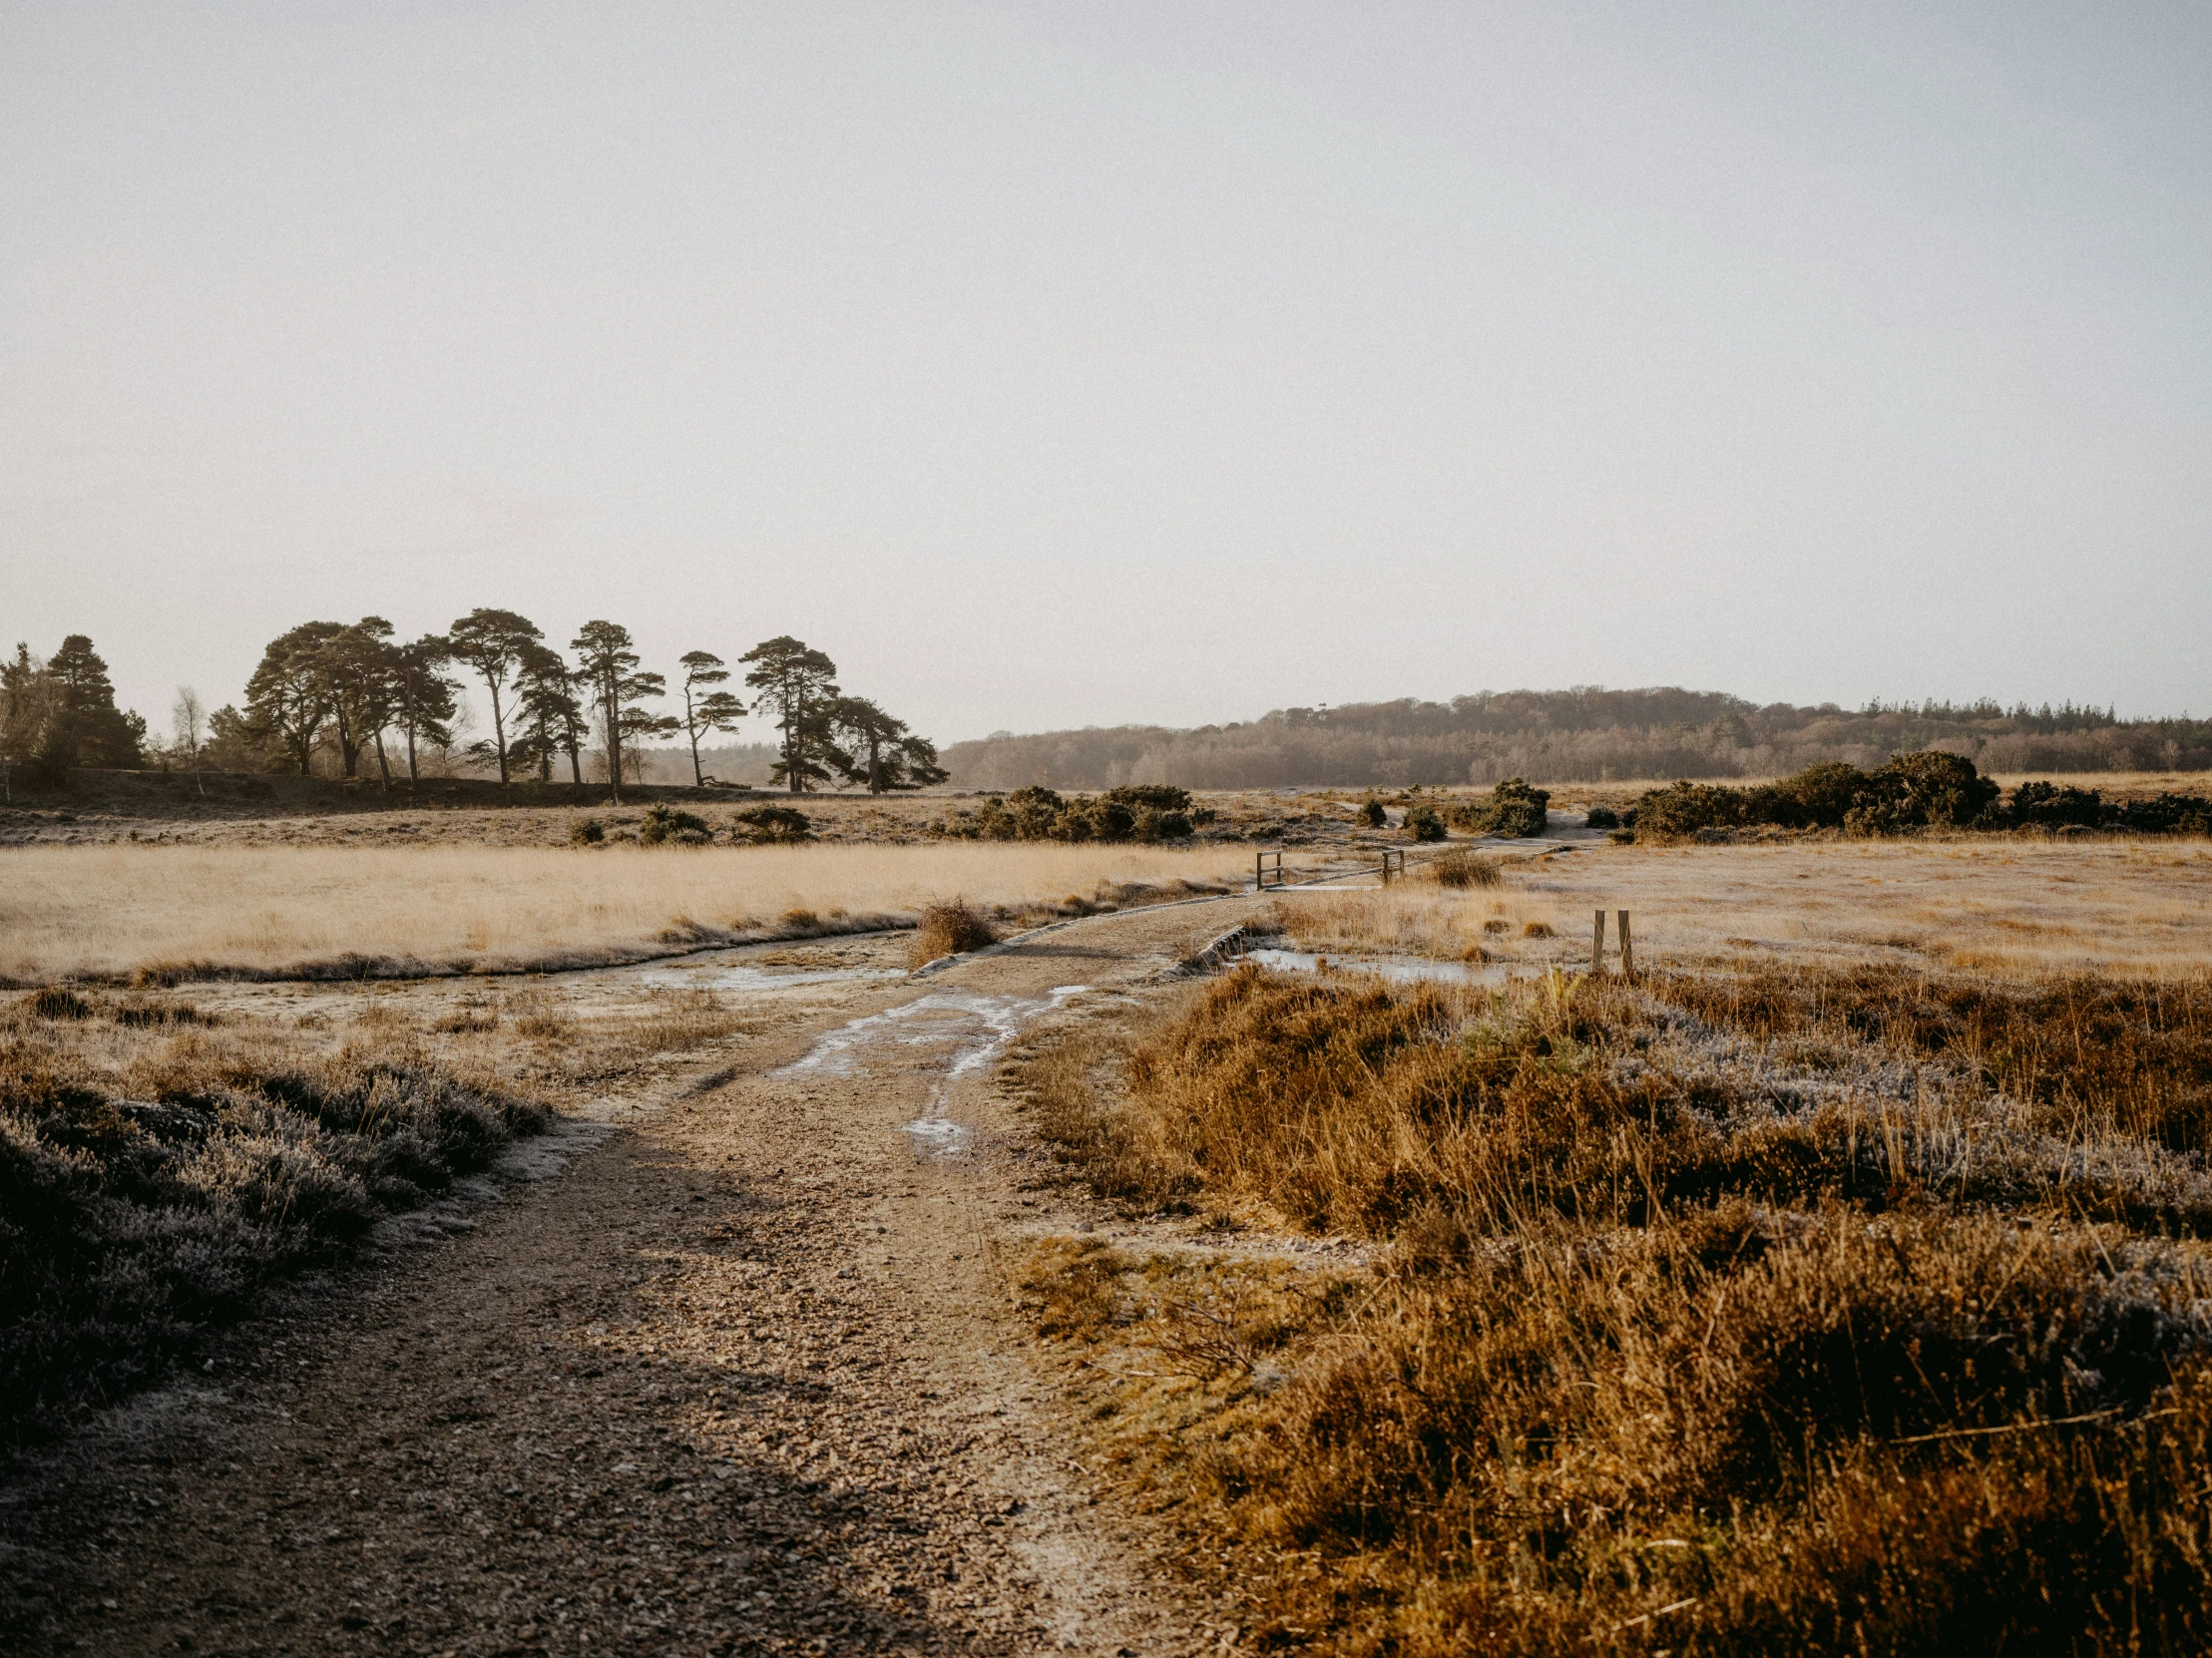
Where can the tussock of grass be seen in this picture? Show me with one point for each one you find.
(949, 929)
(1810, 1311)
(1462, 870)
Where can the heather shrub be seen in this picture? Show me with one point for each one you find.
(1791, 1310)
(131, 1228)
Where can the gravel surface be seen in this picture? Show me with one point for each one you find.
(744, 1377)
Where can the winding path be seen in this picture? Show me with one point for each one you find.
(745, 1377)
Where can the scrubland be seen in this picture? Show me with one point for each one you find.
(168, 913)
(1996, 905)
(1832, 1295)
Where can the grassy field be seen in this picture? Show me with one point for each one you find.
(1828, 1295)
(172, 912)
(1996, 905)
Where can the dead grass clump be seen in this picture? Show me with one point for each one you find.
(1463, 870)
(1538, 930)
(949, 930)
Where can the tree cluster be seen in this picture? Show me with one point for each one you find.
(60, 713)
(341, 689)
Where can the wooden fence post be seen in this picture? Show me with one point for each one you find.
(1597, 944)
(1627, 949)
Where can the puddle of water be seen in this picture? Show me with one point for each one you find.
(975, 1028)
(712, 972)
(1401, 969)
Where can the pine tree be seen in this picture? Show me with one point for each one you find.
(797, 685)
(492, 642)
(706, 711)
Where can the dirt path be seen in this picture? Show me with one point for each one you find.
(743, 1378)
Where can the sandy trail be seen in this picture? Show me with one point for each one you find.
(743, 1378)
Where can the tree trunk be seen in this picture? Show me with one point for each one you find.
(383, 766)
(612, 704)
(576, 762)
(413, 776)
(499, 729)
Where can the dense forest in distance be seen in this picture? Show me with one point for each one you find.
(1587, 734)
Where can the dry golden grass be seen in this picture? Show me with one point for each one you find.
(1808, 1310)
(116, 911)
(2108, 906)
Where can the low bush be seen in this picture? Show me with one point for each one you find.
(587, 831)
(667, 825)
(949, 930)
(771, 825)
(1371, 814)
(1602, 817)
(1137, 812)
(1161, 797)
(1913, 792)
(1513, 809)
(1426, 823)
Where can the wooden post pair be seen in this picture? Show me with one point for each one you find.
(1598, 946)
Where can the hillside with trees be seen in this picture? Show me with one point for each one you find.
(1587, 734)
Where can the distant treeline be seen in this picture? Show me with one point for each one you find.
(1588, 734)
(326, 697)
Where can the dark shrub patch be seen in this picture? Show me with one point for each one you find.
(765, 825)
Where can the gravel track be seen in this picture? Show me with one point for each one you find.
(745, 1377)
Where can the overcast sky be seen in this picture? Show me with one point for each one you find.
(1066, 365)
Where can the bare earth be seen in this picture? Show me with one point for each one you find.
(744, 1377)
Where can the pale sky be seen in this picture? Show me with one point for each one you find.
(1087, 364)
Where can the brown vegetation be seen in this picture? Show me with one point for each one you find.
(1829, 1312)
(950, 929)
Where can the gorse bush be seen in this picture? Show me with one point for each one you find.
(670, 826)
(1136, 812)
(772, 825)
(1912, 792)
(1426, 823)
(130, 1227)
(1795, 1310)
(587, 831)
(1512, 808)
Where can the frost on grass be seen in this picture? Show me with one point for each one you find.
(1798, 1309)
